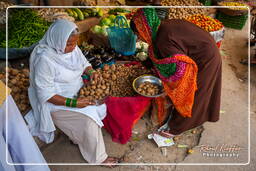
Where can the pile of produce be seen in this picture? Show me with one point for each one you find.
(205, 22)
(109, 20)
(104, 24)
(18, 82)
(148, 89)
(52, 14)
(244, 7)
(115, 80)
(82, 13)
(25, 28)
(98, 56)
(118, 11)
(141, 51)
(182, 13)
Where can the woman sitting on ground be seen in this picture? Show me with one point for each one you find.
(56, 67)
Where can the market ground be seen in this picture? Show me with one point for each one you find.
(231, 129)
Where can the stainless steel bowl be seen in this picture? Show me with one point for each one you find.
(152, 79)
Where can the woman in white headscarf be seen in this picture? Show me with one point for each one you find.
(56, 66)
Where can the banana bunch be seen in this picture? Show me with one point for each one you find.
(82, 13)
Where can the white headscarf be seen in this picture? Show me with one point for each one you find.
(53, 45)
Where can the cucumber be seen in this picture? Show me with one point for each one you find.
(79, 13)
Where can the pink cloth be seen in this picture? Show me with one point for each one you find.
(122, 113)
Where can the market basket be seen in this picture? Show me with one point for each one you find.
(235, 22)
(121, 37)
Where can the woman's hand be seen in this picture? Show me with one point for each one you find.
(83, 102)
(94, 76)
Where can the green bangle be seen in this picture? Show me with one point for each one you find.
(74, 101)
(90, 72)
(68, 100)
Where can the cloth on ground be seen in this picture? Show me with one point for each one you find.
(122, 114)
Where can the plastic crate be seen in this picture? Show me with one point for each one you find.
(235, 22)
(206, 2)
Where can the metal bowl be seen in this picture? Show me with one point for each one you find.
(152, 79)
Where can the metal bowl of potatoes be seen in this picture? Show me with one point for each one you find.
(148, 86)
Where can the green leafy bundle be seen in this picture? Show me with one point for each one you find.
(25, 27)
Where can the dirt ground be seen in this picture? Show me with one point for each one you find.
(232, 129)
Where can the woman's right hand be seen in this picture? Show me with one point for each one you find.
(83, 102)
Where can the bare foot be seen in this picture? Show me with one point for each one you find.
(111, 162)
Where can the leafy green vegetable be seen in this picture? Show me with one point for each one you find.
(25, 27)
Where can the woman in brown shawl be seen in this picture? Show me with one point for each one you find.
(188, 62)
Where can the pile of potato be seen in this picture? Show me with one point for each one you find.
(18, 82)
(148, 89)
(182, 13)
(115, 80)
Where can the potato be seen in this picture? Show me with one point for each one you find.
(93, 82)
(86, 92)
(15, 90)
(14, 72)
(92, 92)
(114, 77)
(113, 67)
(106, 67)
(106, 75)
(82, 92)
(103, 87)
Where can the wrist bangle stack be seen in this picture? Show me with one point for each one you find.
(71, 102)
(74, 101)
(90, 72)
(68, 101)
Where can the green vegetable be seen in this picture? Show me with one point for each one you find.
(75, 14)
(79, 13)
(86, 14)
(96, 29)
(25, 27)
(105, 22)
(118, 10)
(112, 17)
(70, 12)
(100, 13)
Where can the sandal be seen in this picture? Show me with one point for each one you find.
(166, 134)
(111, 162)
